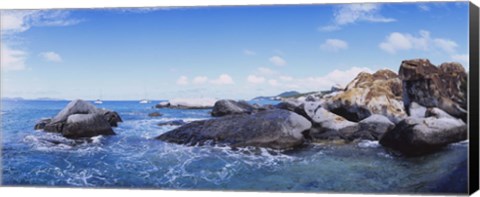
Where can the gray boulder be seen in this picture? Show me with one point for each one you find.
(414, 136)
(81, 119)
(296, 107)
(75, 107)
(373, 127)
(278, 129)
(329, 126)
(86, 125)
(416, 110)
(229, 107)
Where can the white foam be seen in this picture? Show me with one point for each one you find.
(368, 144)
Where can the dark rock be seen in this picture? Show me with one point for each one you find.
(444, 87)
(229, 107)
(112, 117)
(378, 93)
(421, 136)
(278, 129)
(86, 125)
(162, 105)
(172, 123)
(155, 114)
(293, 107)
(42, 123)
(81, 119)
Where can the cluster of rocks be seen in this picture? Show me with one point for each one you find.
(418, 110)
(81, 119)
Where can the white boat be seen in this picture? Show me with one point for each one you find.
(98, 101)
(144, 101)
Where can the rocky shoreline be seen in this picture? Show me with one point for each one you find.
(416, 111)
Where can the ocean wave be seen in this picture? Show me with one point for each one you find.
(53, 142)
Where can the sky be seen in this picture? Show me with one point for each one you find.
(236, 52)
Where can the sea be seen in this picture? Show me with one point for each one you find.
(134, 159)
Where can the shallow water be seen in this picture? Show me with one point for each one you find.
(133, 159)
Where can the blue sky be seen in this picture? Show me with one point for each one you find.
(220, 52)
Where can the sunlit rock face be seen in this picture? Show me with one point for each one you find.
(367, 94)
(444, 87)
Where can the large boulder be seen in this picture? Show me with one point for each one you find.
(329, 126)
(278, 129)
(373, 127)
(444, 87)
(293, 106)
(86, 125)
(81, 119)
(417, 136)
(229, 107)
(378, 93)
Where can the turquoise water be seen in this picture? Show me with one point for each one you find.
(133, 159)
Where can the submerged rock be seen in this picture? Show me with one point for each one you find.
(378, 93)
(417, 136)
(172, 123)
(444, 87)
(278, 129)
(42, 123)
(155, 114)
(229, 107)
(81, 119)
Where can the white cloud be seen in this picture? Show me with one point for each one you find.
(278, 61)
(249, 52)
(51, 56)
(15, 21)
(265, 71)
(273, 82)
(286, 78)
(312, 83)
(223, 79)
(423, 41)
(424, 7)
(462, 58)
(342, 77)
(255, 79)
(397, 41)
(182, 80)
(352, 13)
(334, 45)
(12, 59)
(446, 45)
(200, 80)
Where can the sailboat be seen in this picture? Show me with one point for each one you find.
(99, 101)
(145, 100)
